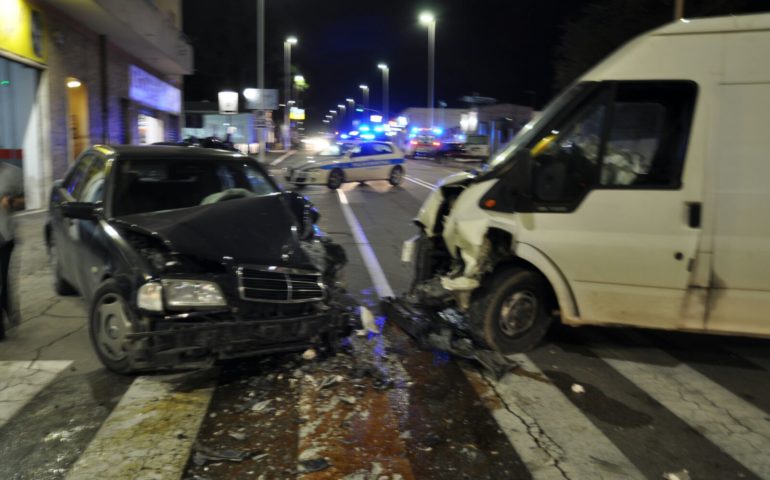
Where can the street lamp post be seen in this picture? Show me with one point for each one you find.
(429, 20)
(385, 89)
(365, 90)
(261, 72)
(287, 89)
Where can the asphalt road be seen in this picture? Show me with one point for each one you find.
(588, 403)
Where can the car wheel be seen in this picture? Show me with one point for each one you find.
(509, 313)
(396, 176)
(336, 177)
(109, 324)
(60, 285)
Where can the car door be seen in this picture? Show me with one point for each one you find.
(91, 245)
(383, 159)
(355, 167)
(64, 234)
(610, 209)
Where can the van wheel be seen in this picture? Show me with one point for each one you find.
(396, 176)
(336, 177)
(508, 313)
(60, 285)
(109, 324)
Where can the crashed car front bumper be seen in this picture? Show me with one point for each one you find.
(179, 340)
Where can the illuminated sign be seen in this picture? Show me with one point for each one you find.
(296, 113)
(21, 30)
(228, 103)
(153, 92)
(375, 118)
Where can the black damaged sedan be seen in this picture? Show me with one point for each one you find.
(186, 255)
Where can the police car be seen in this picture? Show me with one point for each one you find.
(357, 162)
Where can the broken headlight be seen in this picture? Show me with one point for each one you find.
(192, 293)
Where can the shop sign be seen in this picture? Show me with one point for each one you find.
(21, 30)
(296, 113)
(150, 90)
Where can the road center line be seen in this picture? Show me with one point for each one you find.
(365, 248)
(283, 157)
(421, 183)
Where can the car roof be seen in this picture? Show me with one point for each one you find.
(168, 152)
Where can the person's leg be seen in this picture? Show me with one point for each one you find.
(5, 261)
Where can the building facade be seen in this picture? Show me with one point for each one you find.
(74, 74)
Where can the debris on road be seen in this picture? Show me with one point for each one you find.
(313, 465)
(367, 320)
(680, 475)
(445, 329)
(577, 388)
(237, 435)
(260, 406)
(309, 354)
(205, 454)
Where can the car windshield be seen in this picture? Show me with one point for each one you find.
(334, 150)
(532, 128)
(151, 185)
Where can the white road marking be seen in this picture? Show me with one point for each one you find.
(553, 437)
(282, 157)
(421, 183)
(20, 381)
(149, 434)
(365, 248)
(731, 423)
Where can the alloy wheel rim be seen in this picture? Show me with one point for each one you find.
(395, 176)
(112, 326)
(518, 313)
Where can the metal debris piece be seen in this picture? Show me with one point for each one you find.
(309, 354)
(349, 399)
(260, 406)
(367, 320)
(259, 457)
(237, 435)
(204, 455)
(329, 380)
(313, 465)
(577, 388)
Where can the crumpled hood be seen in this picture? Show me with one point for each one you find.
(254, 231)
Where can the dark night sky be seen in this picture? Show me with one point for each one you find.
(502, 49)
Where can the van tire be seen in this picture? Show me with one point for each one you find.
(336, 179)
(520, 293)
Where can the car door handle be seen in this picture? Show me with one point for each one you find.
(694, 214)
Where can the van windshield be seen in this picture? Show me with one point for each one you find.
(531, 129)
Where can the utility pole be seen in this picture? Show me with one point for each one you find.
(678, 9)
(261, 117)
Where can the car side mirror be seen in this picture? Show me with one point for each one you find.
(81, 210)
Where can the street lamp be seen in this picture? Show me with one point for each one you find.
(365, 90)
(385, 82)
(429, 20)
(287, 87)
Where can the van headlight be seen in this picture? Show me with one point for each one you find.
(179, 293)
(192, 293)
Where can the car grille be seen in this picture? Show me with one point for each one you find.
(279, 285)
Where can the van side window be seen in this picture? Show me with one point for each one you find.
(647, 140)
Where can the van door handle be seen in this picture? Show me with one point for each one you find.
(693, 214)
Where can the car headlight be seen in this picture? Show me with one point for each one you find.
(192, 293)
(150, 297)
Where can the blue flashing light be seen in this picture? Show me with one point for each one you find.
(364, 128)
(367, 136)
(438, 130)
(353, 133)
(415, 129)
(379, 128)
(359, 109)
(344, 136)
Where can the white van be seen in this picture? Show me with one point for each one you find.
(641, 196)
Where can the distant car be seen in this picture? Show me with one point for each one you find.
(191, 254)
(476, 146)
(342, 163)
(424, 145)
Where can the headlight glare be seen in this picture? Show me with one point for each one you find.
(192, 293)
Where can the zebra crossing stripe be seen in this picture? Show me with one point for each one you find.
(150, 432)
(734, 425)
(20, 381)
(551, 435)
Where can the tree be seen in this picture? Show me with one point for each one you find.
(605, 25)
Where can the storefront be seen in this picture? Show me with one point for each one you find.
(153, 108)
(22, 73)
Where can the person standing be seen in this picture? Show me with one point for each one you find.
(11, 199)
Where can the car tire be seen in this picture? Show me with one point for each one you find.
(509, 312)
(60, 285)
(336, 179)
(109, 321)
(396, 176)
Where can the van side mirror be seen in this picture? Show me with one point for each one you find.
(80, 210)
(513, 191)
